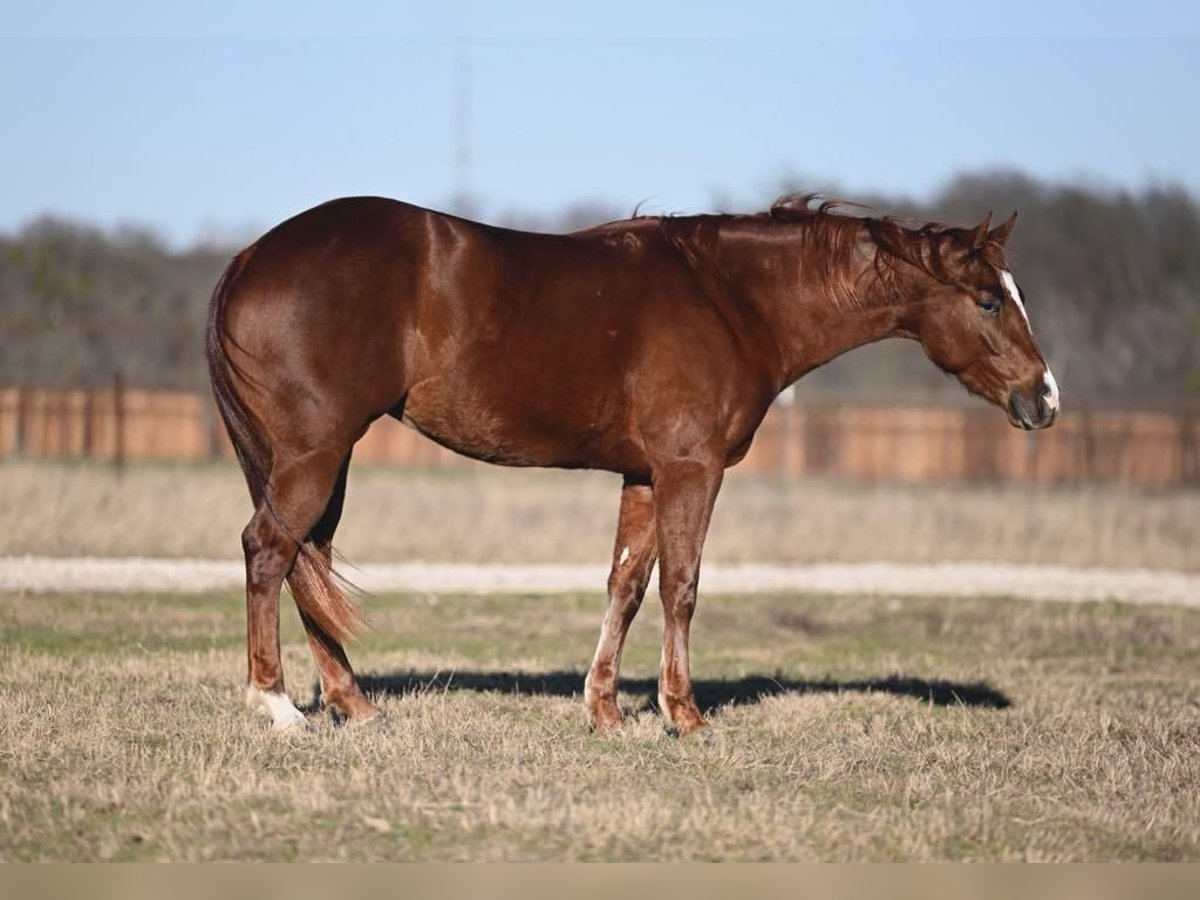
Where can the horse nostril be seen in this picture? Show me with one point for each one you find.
(1046, 407)
(1017, 408)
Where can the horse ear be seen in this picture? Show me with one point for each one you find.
(979, 236)
(1000, 233)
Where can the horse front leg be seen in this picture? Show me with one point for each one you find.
(684, 493)
(634, 553)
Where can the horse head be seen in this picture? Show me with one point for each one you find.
(964, 306)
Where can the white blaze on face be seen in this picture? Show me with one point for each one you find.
(1052, 387)
(1014, 293)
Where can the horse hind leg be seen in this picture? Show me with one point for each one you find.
(292, 502)
(339, 688)
(269, 552)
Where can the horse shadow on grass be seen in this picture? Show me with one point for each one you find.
(711, 693)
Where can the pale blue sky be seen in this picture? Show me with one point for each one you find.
(239, 115)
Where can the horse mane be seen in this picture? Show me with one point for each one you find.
(799, 207)
(911, 240)
(927, 245)
(830, 235)
(828, 240)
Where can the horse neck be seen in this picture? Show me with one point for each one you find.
(816, 300)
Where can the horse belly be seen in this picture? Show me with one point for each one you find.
(481, 424)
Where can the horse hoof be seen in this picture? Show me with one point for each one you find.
(708, 736)
(279, 706)
(291, 724)
(698, 731)
(349, 706)
(606, 721)
(371, 721)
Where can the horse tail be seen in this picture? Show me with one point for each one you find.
(250, 446)
(313, 583)
(320, 597)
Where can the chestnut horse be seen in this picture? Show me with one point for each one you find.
(650, 347)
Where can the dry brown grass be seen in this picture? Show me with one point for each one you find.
(122, 735)
(493, 515)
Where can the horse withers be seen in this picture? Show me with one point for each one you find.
(650, 347)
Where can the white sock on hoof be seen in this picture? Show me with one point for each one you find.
(279, 707)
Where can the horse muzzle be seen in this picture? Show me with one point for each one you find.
(1031, 413)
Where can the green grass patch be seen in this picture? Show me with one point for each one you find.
(860, 728)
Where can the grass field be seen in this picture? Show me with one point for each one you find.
(491, 515)
(850, 728)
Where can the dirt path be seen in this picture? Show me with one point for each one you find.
(46, 575)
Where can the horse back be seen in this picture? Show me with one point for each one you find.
(517, 348)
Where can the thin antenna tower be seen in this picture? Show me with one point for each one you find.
(462, 126)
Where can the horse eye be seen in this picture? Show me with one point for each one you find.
(990, 305)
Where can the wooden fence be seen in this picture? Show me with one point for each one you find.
(868, 443)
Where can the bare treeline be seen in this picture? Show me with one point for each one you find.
(79, 306)
(1112, 280)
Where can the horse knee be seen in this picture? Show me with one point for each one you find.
(625, 595)
(680, 601)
